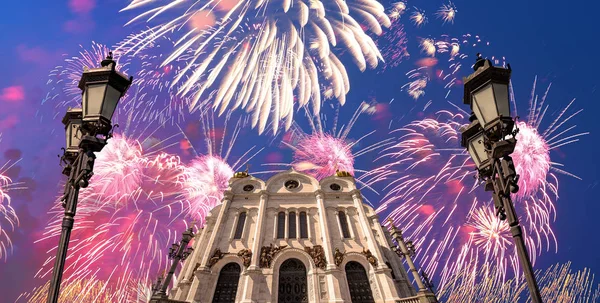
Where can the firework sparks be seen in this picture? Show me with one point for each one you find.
(82, 290)
(450, 54)
(460, 230)
(206, 178)
(418, 17)
(273, 52)
(447, 13)
(397, 10)
(64, 79)
(320, 155)
(559, 283)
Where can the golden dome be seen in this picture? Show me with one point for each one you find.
(241, 174)
(341, 173)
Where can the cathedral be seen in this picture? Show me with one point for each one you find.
(294, 239)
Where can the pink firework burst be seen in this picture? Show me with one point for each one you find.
(437, 199)
(532, 160)
(320, 155)
(126, 241)
(205, 179)
(328, 147)
(118, 171)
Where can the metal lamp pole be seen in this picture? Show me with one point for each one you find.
(490, 139)
(177, 253)
(87, 130)
(407, 250)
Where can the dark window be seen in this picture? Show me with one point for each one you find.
(358, 283)
(248, 187)
(240, 226)
(390, 267)
(303, 225)
(335, 187)
(292, 282)
(281, 225)
(344, 224)
(291, 184)
(227, 284)
(292, 225)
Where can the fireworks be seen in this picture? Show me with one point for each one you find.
(124, 220)
(206, 179)
(263, 52)
(328, 147)
(397, 10)
(558, 284)
(437, 200)
(443, 62)
(8, 217)
(64, 79)
(320, 155)
(447, 13)
(418, 17)
(119, 169)
(88, 290)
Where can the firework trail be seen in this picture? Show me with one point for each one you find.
(89, 290)
(64, 79)
(444, 59)
(437, 200)
(447, 13)
(256, 55)
(207, 177)
(8, 217)
(125, 218)
(329, 146)
(558, 284)
(138, 202)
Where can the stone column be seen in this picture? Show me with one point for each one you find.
(325, 232)
(216, 231)
(286, 229)
(258, 232)
(366, 227)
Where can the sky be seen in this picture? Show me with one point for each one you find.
(555, 41)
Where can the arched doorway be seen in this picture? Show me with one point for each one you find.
(358, 283)
(292, 282)
(227, 284)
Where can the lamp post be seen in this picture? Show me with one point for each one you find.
(490, 139)
(87, 130)
(177, 252)
(407, 250)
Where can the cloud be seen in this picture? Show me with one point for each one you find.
(14, 93)
(34, 54)
(82, 6)
(79, 25)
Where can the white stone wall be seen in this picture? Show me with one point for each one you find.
(262, 204)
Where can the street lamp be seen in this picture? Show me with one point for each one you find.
(178, 252)
(87, 130)
(490, 139)
(406, 250)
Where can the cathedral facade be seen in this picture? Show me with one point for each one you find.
(293, 239)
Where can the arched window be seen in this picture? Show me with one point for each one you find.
(281, 225)
(292, 282)
(303, 225)
(344, 224)
(358, 283)
(292, 225)
(240, 226)
(390, 267)
(227, 284)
